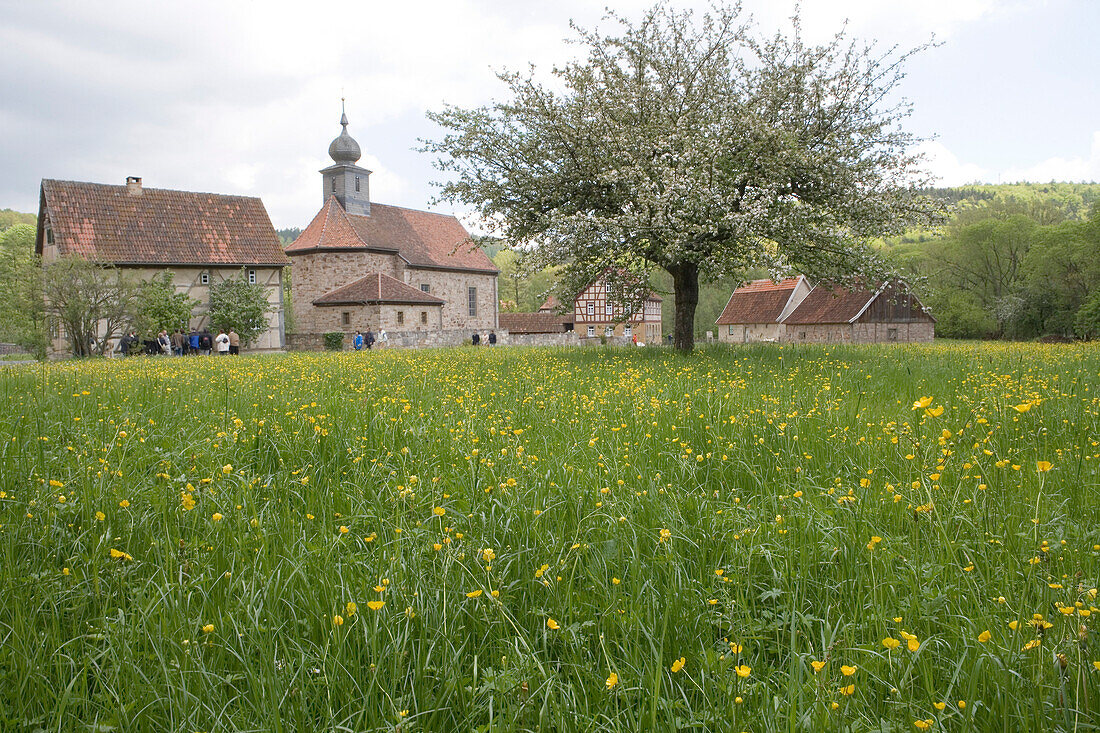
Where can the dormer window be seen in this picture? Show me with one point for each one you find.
(49, 235)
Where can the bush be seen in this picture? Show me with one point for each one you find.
(334, 341)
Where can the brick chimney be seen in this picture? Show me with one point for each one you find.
(133, 185)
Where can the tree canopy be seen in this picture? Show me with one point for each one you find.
(236, 304)
(697, 147)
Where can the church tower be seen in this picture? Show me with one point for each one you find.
(345, 180)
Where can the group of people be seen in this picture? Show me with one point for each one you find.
(368, 340)
(181, 344)
(476, 338)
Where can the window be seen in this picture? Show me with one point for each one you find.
(591, 331)
(802, 335)
(400, 318)
(251, 277)
(471, 301)
(731, 329)
(204, 278)
(345, 318)
(628, 331)
(423, 316)
(891, 334)
(608, 331)
(357, 184)
(334, 184)
(591, 309)
(425, 288)
(49, 236)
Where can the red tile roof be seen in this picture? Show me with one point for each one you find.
(759, 301)
(532, 322)
(766, 285)
(377, 288)
(106, 223)
(550, 305)
(829, 304)
(423, 239)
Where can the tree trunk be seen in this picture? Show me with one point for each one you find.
(685, 283)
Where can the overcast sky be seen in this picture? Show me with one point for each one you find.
(243, 97)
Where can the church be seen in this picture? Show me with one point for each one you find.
(362, 265)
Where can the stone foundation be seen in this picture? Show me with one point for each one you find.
(436, 339)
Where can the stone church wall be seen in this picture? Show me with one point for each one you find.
(452, 286)
(313, 275)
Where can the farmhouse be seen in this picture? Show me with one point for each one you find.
(200, 238)
(790, 310)
(362, 265)
(756, 310)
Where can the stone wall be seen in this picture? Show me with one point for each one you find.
(862, 333)
(749, 332)
(908, 332)
(454, 337)
(452, 286)
(315, 274)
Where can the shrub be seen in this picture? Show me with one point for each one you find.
(334, 341)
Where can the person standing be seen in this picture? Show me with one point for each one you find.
(193, 341)
(222, 342)
(492, 338)
(357, 342)
(177, 343)
(475, 339)
(368, 340)
(234, 342)
(383, 338)
(164, 343)
(205, 342)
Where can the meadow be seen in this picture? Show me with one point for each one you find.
(887, 538)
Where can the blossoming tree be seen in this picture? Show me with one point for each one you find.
(696, 146)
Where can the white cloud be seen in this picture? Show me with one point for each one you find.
(1080, 169)
(946, 167)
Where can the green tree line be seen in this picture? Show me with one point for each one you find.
(1017, 262)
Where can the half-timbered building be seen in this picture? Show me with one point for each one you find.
(598, 310)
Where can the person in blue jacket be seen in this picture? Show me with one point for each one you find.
(357, 342)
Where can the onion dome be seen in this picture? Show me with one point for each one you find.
(344, 149)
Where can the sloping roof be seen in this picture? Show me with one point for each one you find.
(758, 301)
(532, 322)
(422, 238)
(377, 288)
(108, 224)
(831, 304)
(551, 304)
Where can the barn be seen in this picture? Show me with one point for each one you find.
(756, 310)
(833, 314)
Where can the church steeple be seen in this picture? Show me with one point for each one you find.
(345, 180)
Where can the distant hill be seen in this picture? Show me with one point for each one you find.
(9, 218)
(287, 236)
(1072, 200)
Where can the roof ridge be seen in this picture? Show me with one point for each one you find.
(151, 188)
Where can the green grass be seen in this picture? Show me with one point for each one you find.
(653, 507)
